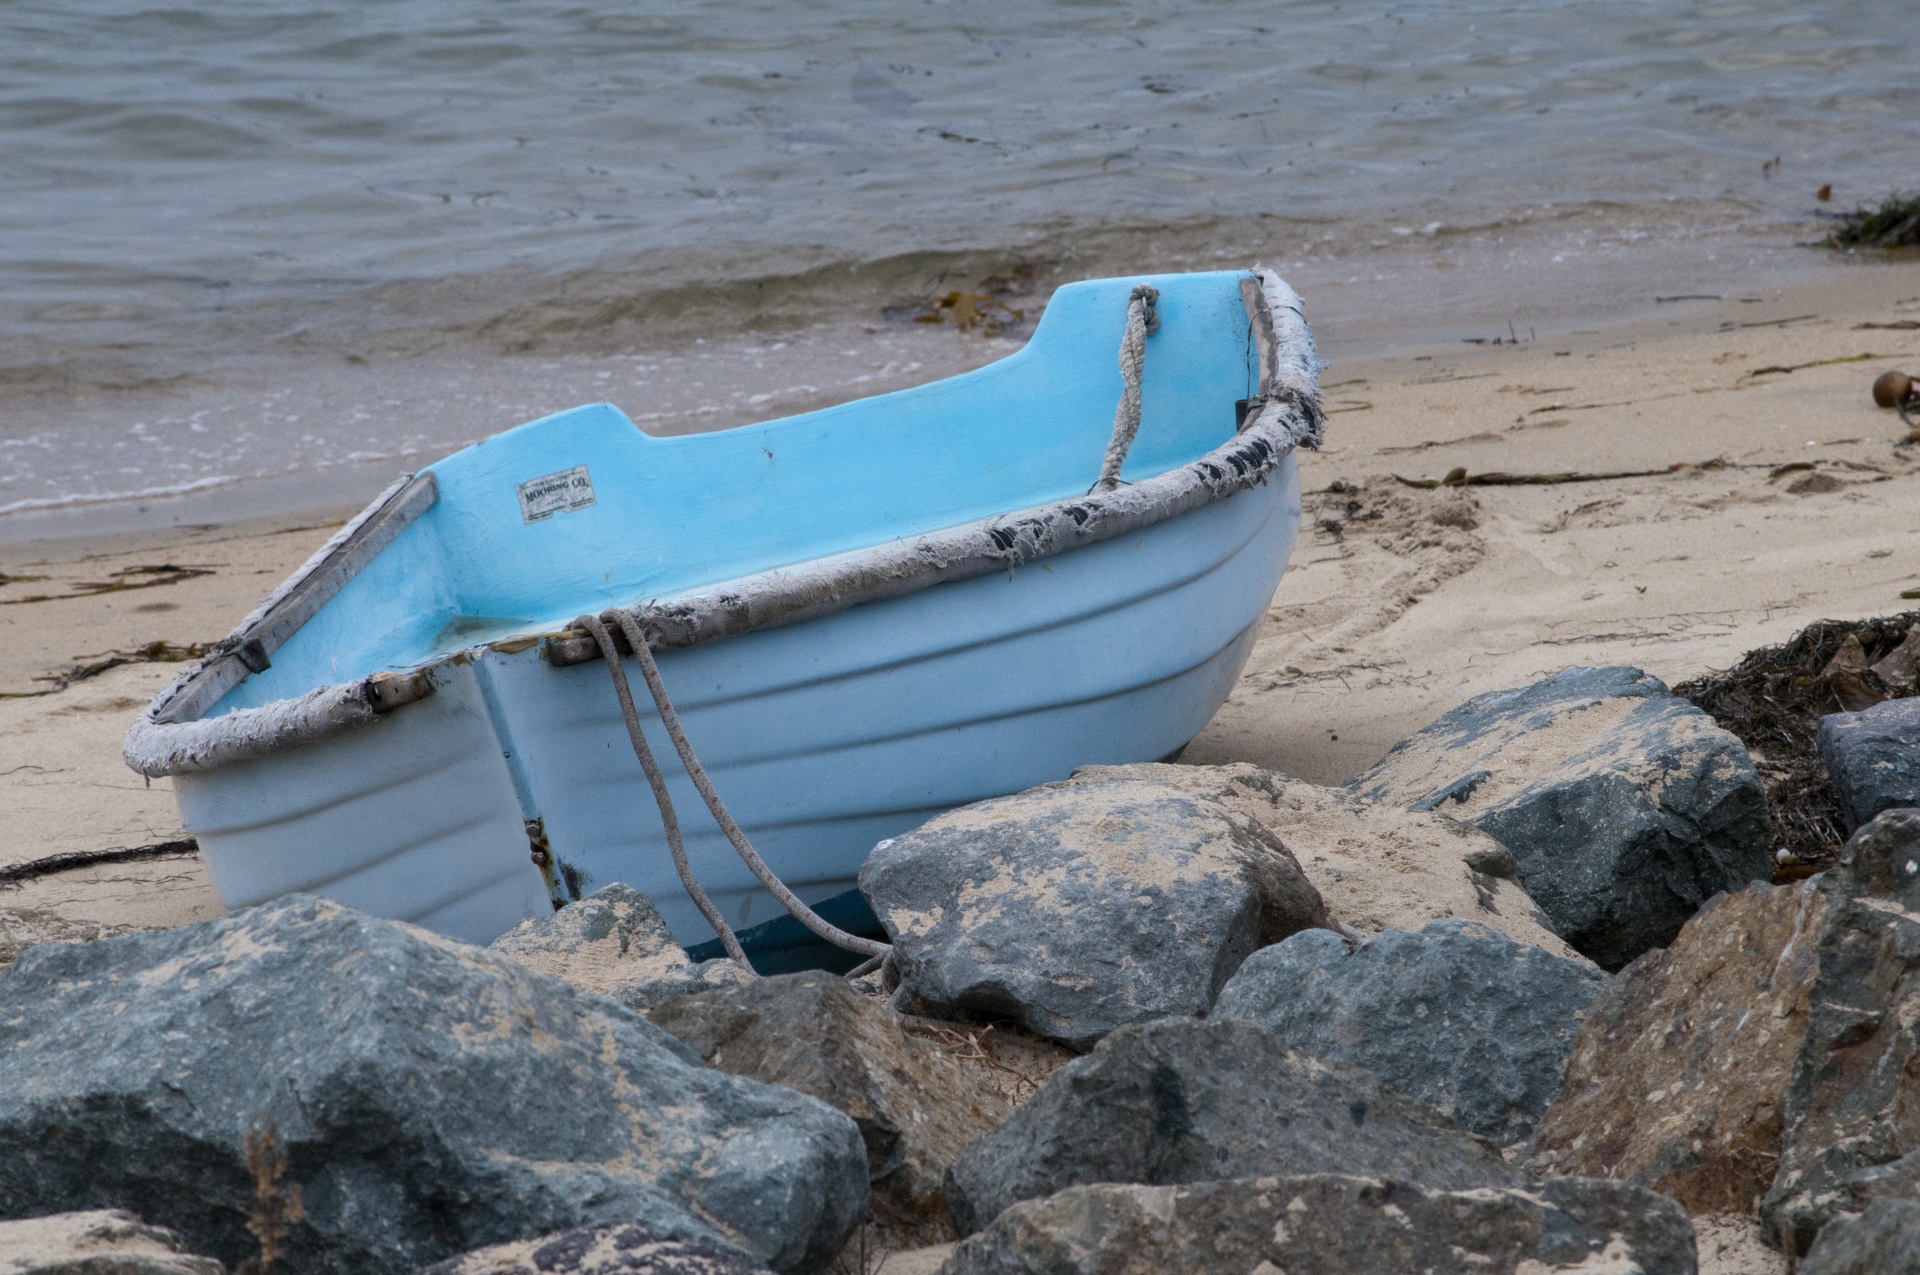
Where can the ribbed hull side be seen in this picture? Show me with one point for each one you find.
(823, 737)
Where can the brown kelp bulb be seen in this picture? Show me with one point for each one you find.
(1892, 389)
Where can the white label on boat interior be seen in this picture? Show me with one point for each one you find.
(551, 494)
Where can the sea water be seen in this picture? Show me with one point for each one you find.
(253, 238)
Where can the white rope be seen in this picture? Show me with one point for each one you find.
(1142, 318)
(661, 798)
(637, 639)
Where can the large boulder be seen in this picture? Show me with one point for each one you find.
(611, 1248)
(424, 1097)
(916, 1106)
(1882, 1240)
(1181, 1101)
(1379, 867)
(1849, 1133)
(96, 1242)
(1458, 1016)
(1332, 1224)
(1625, 807)
(1874, 757)
(1075, 909)
(1679, 1077)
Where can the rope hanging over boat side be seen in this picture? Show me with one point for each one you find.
(637, 639)
(1142, 317)
(658, 782)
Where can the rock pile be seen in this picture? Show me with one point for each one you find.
(379, 1098)
(1305, 1030)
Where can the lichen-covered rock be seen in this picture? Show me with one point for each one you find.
(1334, 1224)
(1849, 1133)
(1379, 867)
(1883, 1240)
(1183, 1101)
(613, 937)
(611, 1248)
(96, 1242)
(916, 1107)
(1679, 1077)
(1458, 1016)
(1625, 807)
(1874, 757)
(426, 1097)
(1074, 909)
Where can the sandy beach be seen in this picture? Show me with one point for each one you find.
(1776, 497)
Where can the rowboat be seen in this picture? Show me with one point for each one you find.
(864, 615)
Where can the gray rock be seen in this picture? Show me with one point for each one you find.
(1679, 1076)
(1458, 1016)
(611, 1248)
(1884, 1240)
(1330, 1224)
(425, 1097)
(1874, 757)
(613, 937)
(1377, 867)
(1848, 1136)
(1183, 1101)
(96, 1242)
(916, 1106)
(1625, 807)
(1073, 909)
(642, 995)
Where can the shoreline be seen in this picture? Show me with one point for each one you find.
(317, 428)
(1399, 602)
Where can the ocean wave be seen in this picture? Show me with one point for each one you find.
(111, 497)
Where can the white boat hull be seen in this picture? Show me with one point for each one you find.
(823, 737)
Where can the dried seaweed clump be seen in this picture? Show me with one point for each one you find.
(1894, 224)
(1773, 700)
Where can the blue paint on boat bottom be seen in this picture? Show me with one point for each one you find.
(784, 946)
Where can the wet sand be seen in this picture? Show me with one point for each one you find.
(1399, 603)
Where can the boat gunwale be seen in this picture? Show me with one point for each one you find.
(172, 735)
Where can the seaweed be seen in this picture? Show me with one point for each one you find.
(1773, 700)
(1894, 224)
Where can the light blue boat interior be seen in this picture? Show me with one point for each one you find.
(676, 514)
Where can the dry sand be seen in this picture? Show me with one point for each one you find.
(1400, 602)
